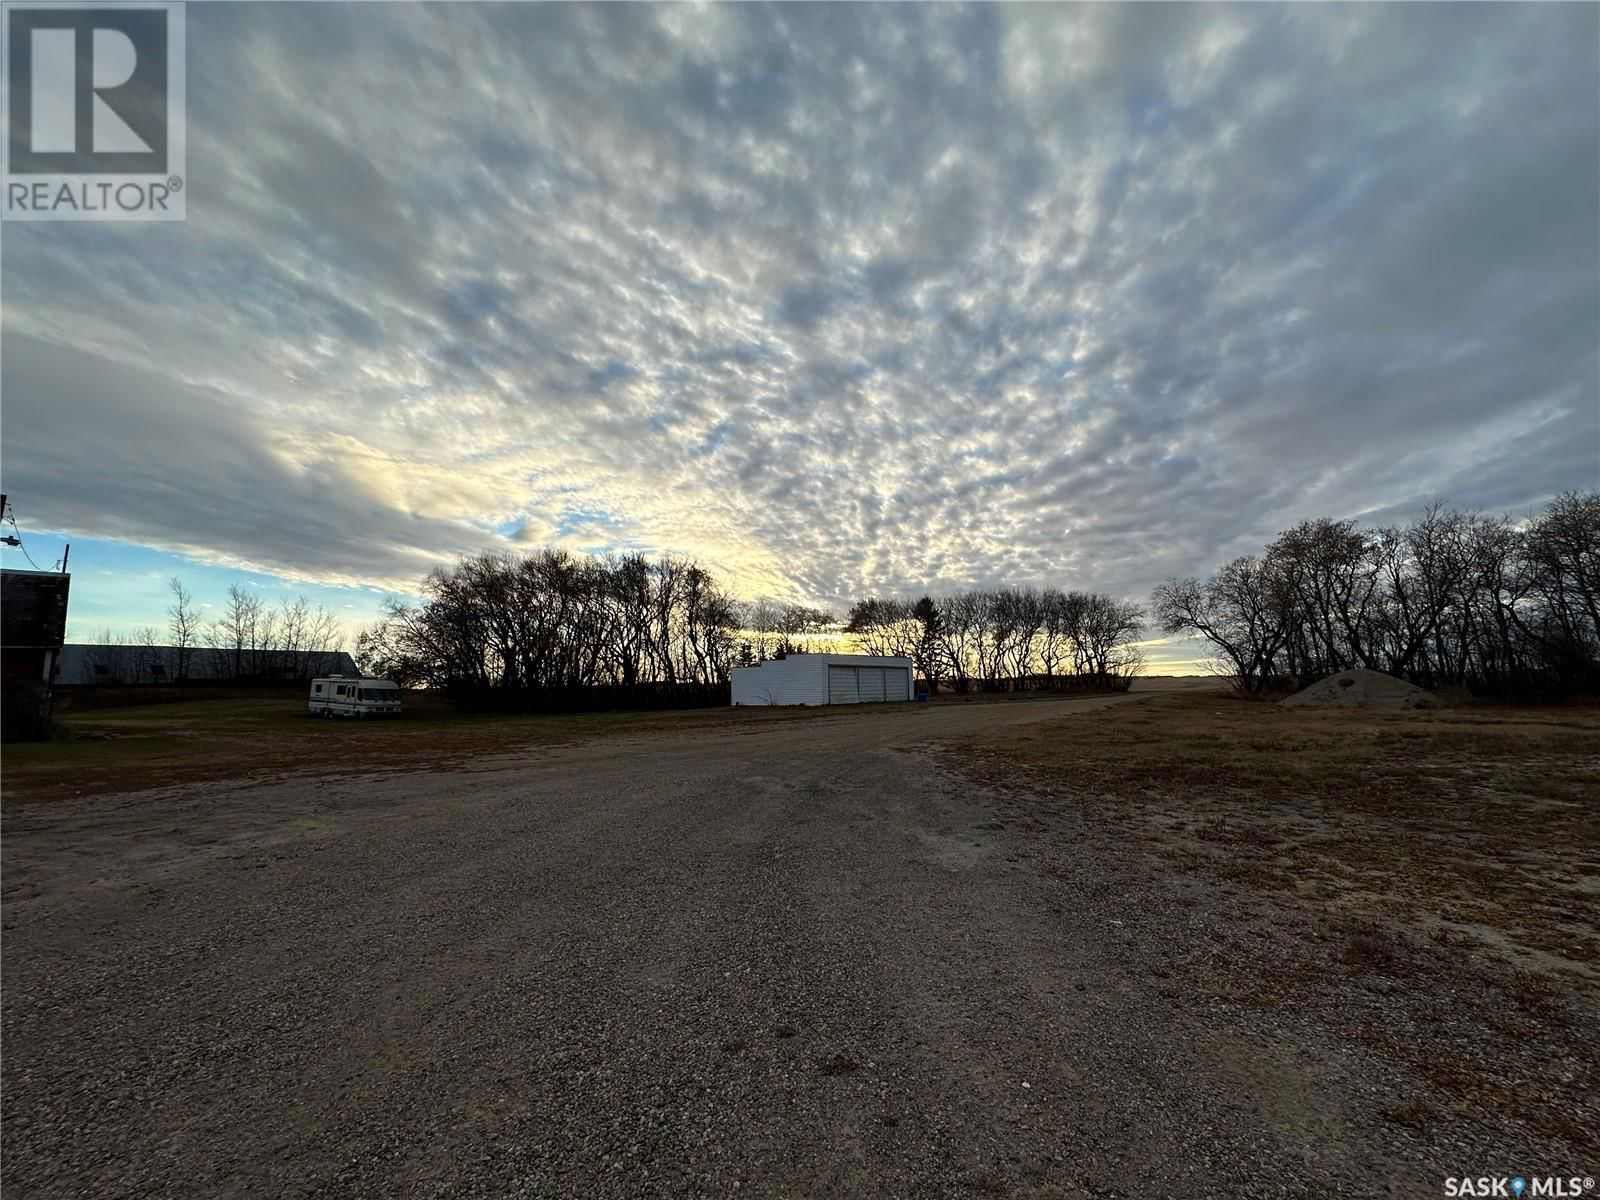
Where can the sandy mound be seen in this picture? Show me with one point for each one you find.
(1362, 689)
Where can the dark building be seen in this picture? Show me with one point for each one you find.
(33, 625)
(86, 665)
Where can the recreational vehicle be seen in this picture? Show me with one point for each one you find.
(347, 696)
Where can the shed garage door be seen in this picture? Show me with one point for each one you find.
(842, 687)
(867, 685)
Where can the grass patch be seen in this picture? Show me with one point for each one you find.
(1484, 820)
(1420, 883)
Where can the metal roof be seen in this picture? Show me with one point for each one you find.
(86, 663)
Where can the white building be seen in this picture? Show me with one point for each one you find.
(823, 679)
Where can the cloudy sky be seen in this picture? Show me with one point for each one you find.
(835, 299)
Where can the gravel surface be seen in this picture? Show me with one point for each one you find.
(809, 960)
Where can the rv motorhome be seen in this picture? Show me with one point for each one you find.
(345, 696)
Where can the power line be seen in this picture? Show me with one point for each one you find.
(23, 548)
(18, 534)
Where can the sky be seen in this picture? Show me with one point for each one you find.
(837, 300)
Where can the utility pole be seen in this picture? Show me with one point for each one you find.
(8, 539)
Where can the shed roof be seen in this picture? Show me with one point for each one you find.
(843, 660)
(86, 663)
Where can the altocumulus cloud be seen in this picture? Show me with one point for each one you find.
(835, 298)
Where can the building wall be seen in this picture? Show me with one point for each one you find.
(88, 665)
(33, 608)
(801, 678)
(798, 679)
(33, 620)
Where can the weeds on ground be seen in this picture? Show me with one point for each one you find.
(1420, 881)
(1482, 819)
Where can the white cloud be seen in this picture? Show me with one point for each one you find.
(836, 299)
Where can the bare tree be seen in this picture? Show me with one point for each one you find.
(1004, 638)
(1105, 639)
(928, 654)
(883, 625)
(1238, 610)
(233, 635)
(183, 627)
(552, 619)
(147, 656)
(961, 618)
(761, 621)
(1060, 630)
(799, 626)
(1452, 598)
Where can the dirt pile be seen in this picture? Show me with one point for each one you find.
(1362, 689)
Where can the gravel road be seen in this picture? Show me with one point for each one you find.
(801, 960)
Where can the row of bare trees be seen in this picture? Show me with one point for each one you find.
(1454, 598)
(771, 630)
(557, 620)
(1007, 638)
(249, 639)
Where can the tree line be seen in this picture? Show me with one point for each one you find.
(1007, 639)
(553, 619)
(249, 639)
(557, 621)
(771, 630)
(1489, 603)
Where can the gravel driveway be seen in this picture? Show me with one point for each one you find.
(802, 960)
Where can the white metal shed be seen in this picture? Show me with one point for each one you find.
(823, 679)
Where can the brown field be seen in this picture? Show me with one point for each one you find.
(1479, 820)
(106, 750)
(1443, 866)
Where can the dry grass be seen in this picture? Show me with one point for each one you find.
(1476, 820)
(1423, 884)
(161, 745)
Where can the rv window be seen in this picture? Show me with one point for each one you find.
(317, 687)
